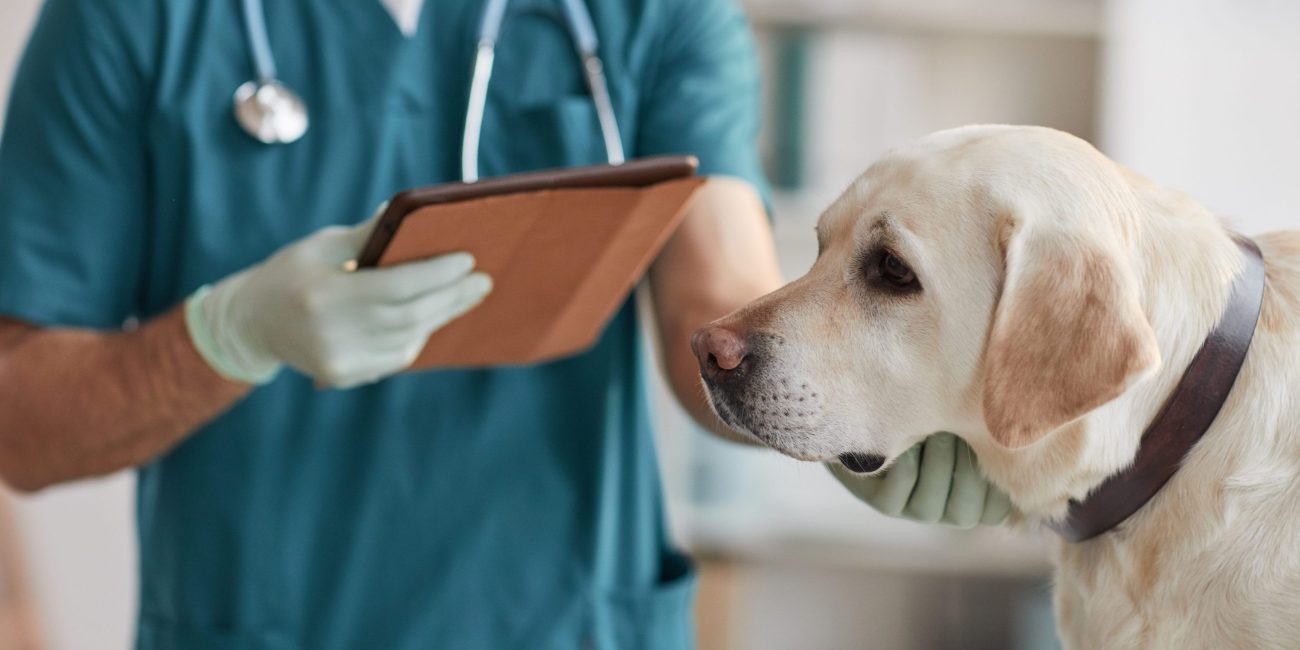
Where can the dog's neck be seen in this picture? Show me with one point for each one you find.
(1185, 417)
(1186, 261)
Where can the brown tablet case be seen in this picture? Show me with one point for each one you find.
(564, 249)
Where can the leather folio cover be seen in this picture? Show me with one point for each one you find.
(565, 248)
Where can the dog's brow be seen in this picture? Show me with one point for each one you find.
(888, 232)
(883, 228)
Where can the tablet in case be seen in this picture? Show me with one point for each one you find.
(564, 249)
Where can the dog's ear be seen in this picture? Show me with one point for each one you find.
(1068, 332)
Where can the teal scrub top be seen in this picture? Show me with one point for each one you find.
(515, 507)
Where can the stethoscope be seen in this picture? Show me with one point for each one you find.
(273, 114)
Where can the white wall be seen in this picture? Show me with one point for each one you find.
(875, 90)
(15, 20)
(78, 540)
(1204, 96)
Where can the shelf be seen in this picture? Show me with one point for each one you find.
(1046, 18)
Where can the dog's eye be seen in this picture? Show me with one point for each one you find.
(896, 272)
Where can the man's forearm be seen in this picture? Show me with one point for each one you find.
(721, 258)
(79, 403)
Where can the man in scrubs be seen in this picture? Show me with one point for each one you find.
(172, 296)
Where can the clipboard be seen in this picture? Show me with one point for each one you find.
(564, 248)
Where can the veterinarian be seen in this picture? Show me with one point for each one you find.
(174, 301)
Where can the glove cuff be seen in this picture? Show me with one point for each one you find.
(232, 365)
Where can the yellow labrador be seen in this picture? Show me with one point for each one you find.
(1016, 287)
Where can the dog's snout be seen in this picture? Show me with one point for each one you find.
(721, 351)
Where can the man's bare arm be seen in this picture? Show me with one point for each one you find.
(77, 403)
(80, 403)
(721, 258)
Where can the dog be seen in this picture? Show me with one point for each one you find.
(1016, 287)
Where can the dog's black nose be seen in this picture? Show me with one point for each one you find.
(722, 353)
(862, 463)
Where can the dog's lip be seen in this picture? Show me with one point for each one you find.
(862, 463)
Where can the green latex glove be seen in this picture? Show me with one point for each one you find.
(938, 480)
(302, 308)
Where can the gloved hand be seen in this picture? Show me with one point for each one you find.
(302, 308)
(938, 480)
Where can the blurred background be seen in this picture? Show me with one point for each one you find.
(1200, 95)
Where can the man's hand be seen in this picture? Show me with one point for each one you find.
(302, 308)
(938, 480)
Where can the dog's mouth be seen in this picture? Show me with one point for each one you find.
(862, 463)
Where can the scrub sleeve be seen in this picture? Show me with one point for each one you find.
(703, 94)
(73, 172)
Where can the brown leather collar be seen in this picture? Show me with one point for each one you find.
(1186, 416)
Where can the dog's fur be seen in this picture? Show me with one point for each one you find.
(1061, 298)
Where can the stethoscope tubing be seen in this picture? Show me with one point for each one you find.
(583, 32)
(581, 29)
(259, 44)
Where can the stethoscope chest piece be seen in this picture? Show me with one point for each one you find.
(270, 112)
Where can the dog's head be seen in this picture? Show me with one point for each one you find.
(977, 282)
